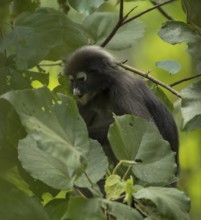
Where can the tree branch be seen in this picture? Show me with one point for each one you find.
(121, 10)
(112, 33)
(184, 80)
(148, 10)
(147, 76)
(117, 26)
(123, 19)
(163, 12)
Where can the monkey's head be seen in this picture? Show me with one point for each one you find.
(87, 69)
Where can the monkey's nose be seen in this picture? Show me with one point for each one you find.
(76, 92)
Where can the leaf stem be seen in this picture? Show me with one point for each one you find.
(128, 162)
(127, 171)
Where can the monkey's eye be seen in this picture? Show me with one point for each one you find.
(71, 78)
(81, 76)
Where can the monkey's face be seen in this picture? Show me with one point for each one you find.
(85, 86)
(88, 69)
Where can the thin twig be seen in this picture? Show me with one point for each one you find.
(126, 16)
(117, 26)
(146, 11)
(184, 80)
(163, 12)
(147, 76)
(121, 10)
(51, 64)
(123, 19)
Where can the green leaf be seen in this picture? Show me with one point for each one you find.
(57, 139)
(171, 66)
(162, 95)
(191, 106)
(47, 167)
(100, 25)
(49, 32)
(121, 211)
(170, 203)
(127, 35)
(10, 78)
(16, 205)
(99, 209)
(56, 208)
(88, 209)
(11, 131)
(175, 32)
(114, 187)
(97, 165)
(192, 10)
(136, 139)
(86, 6)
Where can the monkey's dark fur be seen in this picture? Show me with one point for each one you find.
(110, 89)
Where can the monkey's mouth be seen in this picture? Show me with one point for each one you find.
(85, 98)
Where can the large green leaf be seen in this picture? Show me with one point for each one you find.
(86, 6)
(99, 209)
(96, 167)
(12, 79)
(11, 131)
(170, 203)
(100, 25)
(56, 208)
(49, 32)
(88, 209)
(18, 206)
(138, 140)
(192, 9)
(175, 32)
(191, 106)
(57, 140)
(121, 211)
(171, 66)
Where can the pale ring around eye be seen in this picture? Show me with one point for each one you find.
(82, 76)
(70, 77)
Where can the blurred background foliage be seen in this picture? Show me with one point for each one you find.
(143, 55)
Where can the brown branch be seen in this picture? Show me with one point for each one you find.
(119, 24)
(184, 80)
(123, 19)
(163, 12)
(147, 76)
(148, 10)
(121, 10)
(112, 33)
